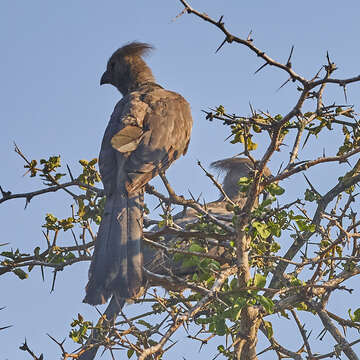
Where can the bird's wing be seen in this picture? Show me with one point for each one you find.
(155, 132)
(122, 136)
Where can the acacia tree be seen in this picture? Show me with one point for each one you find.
(242, 293)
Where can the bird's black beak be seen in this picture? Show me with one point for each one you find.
(105, 79)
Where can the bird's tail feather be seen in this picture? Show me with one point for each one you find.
(116, 267)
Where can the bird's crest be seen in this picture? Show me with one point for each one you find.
(133, 49)
(232, 163)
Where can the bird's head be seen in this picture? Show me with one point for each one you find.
(235, 168)
(126, 70)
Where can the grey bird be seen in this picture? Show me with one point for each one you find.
(161, 262)
(149, 129)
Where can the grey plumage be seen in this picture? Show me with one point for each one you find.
(148, 130)
(235, 168)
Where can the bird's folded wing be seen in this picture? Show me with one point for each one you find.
(168, 128)
(127, 139)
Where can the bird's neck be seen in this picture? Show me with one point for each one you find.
(139, 74)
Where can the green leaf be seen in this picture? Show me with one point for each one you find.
(262, 229)
(274, 228)
(178, 257)
(191, 261)
(93, 162)
(130, 353)
(239, 304)
(8, 254)
(251, 145)
(301, 306)
(275, 189)
(21, 274)
(203, 320)
(144, 323)
(220, 110)
(74, 336)
(295, 281)
(83, 162)
(311, 195)
(356, 316)
(81, 210)
(161, 223)
(267, 202)
(233, 283)
(259, 280)
(256, 128)
(37, 251)
(196, 248)
(212, 327)
(266, 303)
(220, 326)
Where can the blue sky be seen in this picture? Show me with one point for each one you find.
(51, 103)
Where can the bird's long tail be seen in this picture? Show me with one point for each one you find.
(116, 267)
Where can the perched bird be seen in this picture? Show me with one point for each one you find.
(149, 129)
(160, 262)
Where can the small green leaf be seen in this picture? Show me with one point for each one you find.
(144, 323)
(93, 162)
(295, 281)
(220, 326)
(311, 195)
(83, 162)
(220, 110)
(22, 275)
(356, 316)
(257, 128)
(259, 281)
(196, 248)
(203, 320)
(301, 306)
(130, 353)
(275, 189)
(266, 303)
(262, 229)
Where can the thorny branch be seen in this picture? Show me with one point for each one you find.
(275, 129)
(180, 319)
(223, 297)
(329, 326)
(7, 195)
